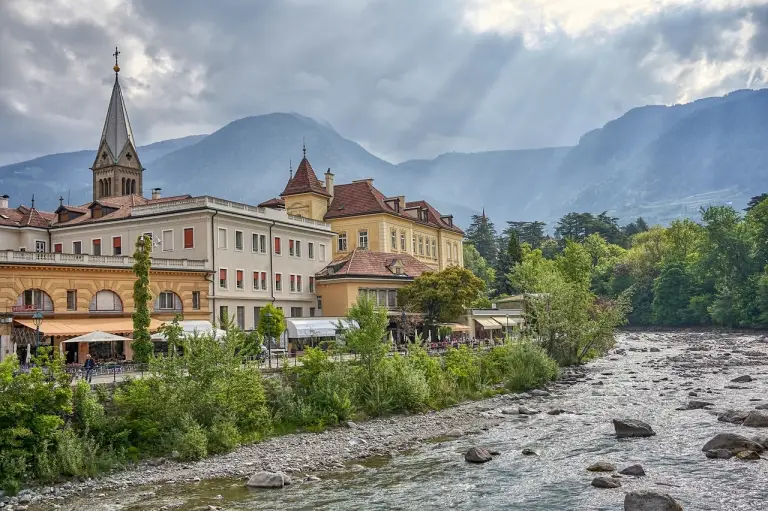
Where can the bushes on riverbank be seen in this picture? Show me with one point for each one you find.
(208, 402)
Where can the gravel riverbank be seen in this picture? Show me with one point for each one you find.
(684, 383)
(301, 454)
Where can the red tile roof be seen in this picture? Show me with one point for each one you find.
(364, 263)
(304, 181)
(434, 215)
(362, 198)
(276, 202)
(22, 216)
(122, 206)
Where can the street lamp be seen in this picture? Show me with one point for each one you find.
(507, 315)
(37, 318)
(268, 316)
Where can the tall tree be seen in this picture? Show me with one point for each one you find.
(142, 342)
(511, 256)
(481, 233)
(754, 201)
(441, 296)
(635, 227)
(479, 266)
(527, 232)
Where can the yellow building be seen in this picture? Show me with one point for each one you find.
(76, 300)
(364, 218)
(377, 275)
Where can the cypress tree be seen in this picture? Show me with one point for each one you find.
(142, 343)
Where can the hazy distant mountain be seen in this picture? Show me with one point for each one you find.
(68, 174)
(655, 161)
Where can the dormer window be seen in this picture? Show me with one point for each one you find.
(128, 156)
(104, 155)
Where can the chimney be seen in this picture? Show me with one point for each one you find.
(329, 182)
(4, 201)
(156, 193)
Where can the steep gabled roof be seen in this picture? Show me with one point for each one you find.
(304, 181)
(117, 131)
(364, 263)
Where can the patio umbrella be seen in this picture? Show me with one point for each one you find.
(98, 336)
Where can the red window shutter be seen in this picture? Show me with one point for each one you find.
(116, 242)
(290, 244)
(277, 245)
(293, 279)
(97, 242)
(222, 274)
(255, 275)
(264, 279)
(188, 238)
(278, 277)
(239, 275)
(58, 248)
(298, 279)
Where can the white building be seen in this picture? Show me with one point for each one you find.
(254, 255)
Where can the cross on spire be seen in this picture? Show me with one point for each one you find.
(116, 54)
(290, 170)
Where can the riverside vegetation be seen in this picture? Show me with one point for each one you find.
(207, 401)
(690, 273)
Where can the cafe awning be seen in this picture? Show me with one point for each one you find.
(502, 320)
(488, 323)
(302, 328)
(73, 327)
(98, 336)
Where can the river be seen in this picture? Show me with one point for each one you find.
(634, 381)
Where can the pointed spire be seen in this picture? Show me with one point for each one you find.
(33, 201)
(483, 213)
(290, 170)
(304, 180)
(117, 129)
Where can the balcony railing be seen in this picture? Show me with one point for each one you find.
(52, 259)
(207, 201)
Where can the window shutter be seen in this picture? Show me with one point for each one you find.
(222, 274)
(116, 242)
(240, 275)
(188, 238)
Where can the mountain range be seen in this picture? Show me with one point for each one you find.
(659, 162)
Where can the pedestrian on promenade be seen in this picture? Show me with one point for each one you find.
(88, 366)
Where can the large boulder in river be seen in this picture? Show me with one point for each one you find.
(732, 416)
(742, 379)
(650, 501)
(266, 480)
(605, 482)
(602, 466)
(626, 428)
(733, 442)
(478, 455)
(756, 419)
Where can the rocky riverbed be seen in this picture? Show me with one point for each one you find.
(688, 386)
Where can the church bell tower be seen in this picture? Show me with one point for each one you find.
(117, 170)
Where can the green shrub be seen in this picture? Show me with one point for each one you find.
(463, 366)
(222, 437)
(406, 385)
(189, 441)
(527, 366)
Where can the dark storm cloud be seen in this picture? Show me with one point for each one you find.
(406, 78)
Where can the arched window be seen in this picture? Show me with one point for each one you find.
(168, 301)
(33, 300)
(133, 186)
(106, 301)
(122, 186)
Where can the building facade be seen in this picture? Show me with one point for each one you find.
(364, 218)
(211, 258)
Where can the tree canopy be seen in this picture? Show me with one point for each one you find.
(442, 296)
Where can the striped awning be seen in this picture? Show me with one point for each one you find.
(488, 323)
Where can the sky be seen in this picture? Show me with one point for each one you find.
(404, 78)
